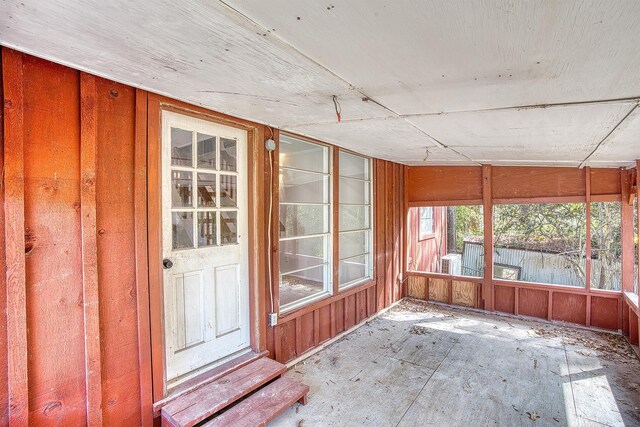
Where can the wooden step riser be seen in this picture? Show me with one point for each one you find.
(200, 404)
(264, 405)
(202, 380)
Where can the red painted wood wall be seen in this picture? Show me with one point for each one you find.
(307, 328)
(487, 185)
(74, 331)
(424, 252)
(78, 249)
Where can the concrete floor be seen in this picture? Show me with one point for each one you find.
(426, 365)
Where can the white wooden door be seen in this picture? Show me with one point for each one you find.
(204, 243)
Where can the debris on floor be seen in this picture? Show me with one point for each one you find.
(422, 364)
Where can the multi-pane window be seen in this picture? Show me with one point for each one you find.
(355, 219)
(305, 221)
(426, 221)
(204, 179)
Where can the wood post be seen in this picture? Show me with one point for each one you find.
(487, 202)
(626, 213)
(638, 208)
(587, 171)
(142, 261)
(335, 206)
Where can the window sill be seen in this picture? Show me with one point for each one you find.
(353, 284)
(632, 300)
(304, 302)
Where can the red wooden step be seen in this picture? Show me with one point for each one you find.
(208, 377)
(264, 405)
(200, 404)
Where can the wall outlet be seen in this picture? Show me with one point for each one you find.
(273, 319)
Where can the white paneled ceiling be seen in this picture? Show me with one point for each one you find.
(442, 80)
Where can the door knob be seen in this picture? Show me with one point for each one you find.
(167, 263)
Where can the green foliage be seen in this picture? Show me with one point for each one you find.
(550, 227)
(469, 224)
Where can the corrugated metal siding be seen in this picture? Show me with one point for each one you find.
(535, 266)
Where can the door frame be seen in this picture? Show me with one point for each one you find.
(149, 175)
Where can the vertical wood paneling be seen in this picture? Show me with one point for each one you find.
(638, 209)
(388, 254)
(604, 313)
(4, 392)
(339, 317)
(487, 201)
(260, 297)
(91, 300)
(142, 265)
(533, 303)
(154, 236)
(324, 323)
(627, 232)
(14, 231)
(505, 300)
(307, 329)
(587, 171)
(53, 268)
(569, 307)
(117, 245)
(80, 186)
(394, 232)
(361, 306)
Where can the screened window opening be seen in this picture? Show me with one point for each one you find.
(635, 245)
(305, 221)
(606, 246)
(547, 242)
(454, 244)
(355, 240)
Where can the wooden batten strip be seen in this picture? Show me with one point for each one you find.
(316, 327)
(275, 224)
(637, 191)
(4, 395)
(14, 229)
(388, 262)
(405, 228)
(258, 210)
(154, 242)
(335, 221)
(626, 217)
(90, 291)
(142, 262)
(487, 197)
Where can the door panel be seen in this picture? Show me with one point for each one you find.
(204, 211)
(227, 298)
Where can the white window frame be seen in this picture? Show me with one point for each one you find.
(423, 234)
(328, 249)
(369, 270)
